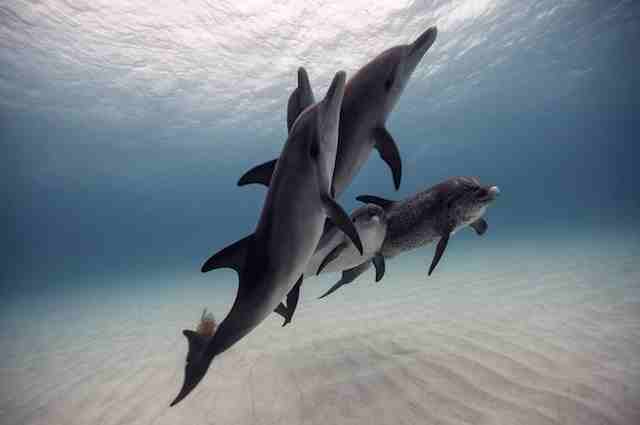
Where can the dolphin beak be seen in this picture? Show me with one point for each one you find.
(193, 374)
(494, 192)
(420, 46)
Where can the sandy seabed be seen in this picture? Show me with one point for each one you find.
(551, 336)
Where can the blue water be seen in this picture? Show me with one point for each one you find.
(124, 128)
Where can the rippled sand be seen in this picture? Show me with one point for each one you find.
(550, 341)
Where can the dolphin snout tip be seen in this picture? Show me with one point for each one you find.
(420, 46)
(429, 36)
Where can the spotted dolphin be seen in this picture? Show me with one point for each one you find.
(270, 261)
(370, 96)
(430, 215)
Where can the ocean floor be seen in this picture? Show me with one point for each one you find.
(531, 332)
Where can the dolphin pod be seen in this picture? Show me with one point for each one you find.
(370, 96)
(302, 231)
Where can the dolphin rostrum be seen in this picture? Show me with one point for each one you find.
(370, 96)
(336, 253)
(270, 261)
(430, 215)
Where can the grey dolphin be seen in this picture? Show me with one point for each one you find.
(336, 253)
(370, 96)
(271, 260)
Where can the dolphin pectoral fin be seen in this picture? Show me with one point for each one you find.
(232, 257)
(348, 276)
(335, 253)
(260, 174)
(341, 219)
(301, 98)
(379, 263)
(385, 204)
(480, 226)
(442, 245)
(389, 153)
(292, 300)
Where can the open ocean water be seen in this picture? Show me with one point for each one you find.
(124, 127)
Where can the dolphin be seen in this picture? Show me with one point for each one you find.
(370, 96)
(335, 252)
(272, 260)
(435, 214)
(430, 215)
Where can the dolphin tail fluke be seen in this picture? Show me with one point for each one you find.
(389, 153)
(292, 302)
(442, 245)
(281, 309)
(197, 343)
(232, 257)
(196, 366)
(385, 204)
(260, 174)
(341, 219)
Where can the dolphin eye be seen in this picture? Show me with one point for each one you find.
(313, 150)
(388, 83)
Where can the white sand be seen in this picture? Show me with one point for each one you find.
(552, 339)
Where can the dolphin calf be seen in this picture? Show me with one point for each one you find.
(273, 259)
(430, 215)
(342, 256)
(370, 96)
(336, 253)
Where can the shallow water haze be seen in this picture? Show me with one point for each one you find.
(125, 125)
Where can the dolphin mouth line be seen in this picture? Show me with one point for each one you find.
(492, 194)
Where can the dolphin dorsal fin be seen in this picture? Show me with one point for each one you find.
(301, 98)
(376, 200)
(232, 257)
(260, 174)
